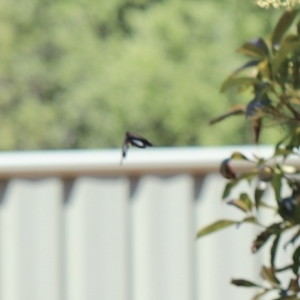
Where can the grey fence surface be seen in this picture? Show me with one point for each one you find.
(75, 225)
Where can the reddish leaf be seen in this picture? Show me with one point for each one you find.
(239, 204)
(236, 111)
(269, 275)
(256, 123)
(226, 170)
(294, 285)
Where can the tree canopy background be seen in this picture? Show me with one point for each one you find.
(78, 74)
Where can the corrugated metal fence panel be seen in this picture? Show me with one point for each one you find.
(162, 238)
(96, 239)
(30, 240)
(129, 237)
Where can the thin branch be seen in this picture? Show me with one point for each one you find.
(290, 107)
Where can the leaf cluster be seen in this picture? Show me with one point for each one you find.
(273, 77)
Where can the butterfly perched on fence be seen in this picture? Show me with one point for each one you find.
(134, 140)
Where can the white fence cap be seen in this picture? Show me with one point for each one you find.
(70, 163)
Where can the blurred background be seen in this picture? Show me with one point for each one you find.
(77, 74)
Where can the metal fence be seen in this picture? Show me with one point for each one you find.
(75, 225)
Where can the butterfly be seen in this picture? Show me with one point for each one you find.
(134, 140)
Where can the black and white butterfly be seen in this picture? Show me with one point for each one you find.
(134, 140)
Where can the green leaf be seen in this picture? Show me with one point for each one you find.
(293, 239)
(295, 73)
(280, 143)
(276, 184)
(256, 48)
(221, 224)
(243, 282)
(264, 69)
(282, 151)
(247, 176)
(274, 250)
(294, 138)
(260, 240)
(238, 156)
(228, 188)
(282, 26)
(283, 269)
(287, 143)
(246, 199)
(289, 208)
(265, 205)
(237, 81)
(249, 220)
(269, 275)
(257, 196)
(260, 294)
(239, 204)
(291, 297)
(264, 236)
(244, 202)
(248, 64)
(296, 260)
(289, 45)
(215, 227)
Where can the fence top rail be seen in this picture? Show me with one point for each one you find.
(72, 163)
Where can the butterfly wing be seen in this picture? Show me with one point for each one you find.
(138, 141)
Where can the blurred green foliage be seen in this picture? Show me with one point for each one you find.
(78, 74)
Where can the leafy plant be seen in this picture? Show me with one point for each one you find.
(272, 76)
